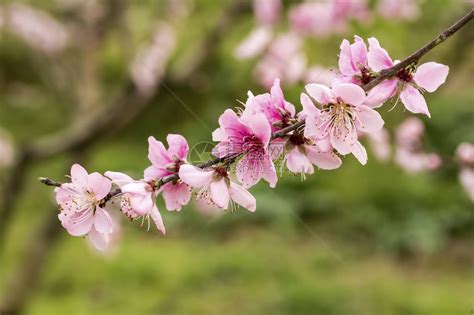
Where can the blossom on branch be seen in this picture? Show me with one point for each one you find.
(248, 136)
(166, 163)
(216, 188)
(82, 212)
(340, 117)
(408, 82)
(137, 199)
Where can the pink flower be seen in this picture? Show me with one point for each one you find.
(409, 154)
(166, 163)
(302, 153)
(380, 144)
(273, 105)
(465, 154)
(249, 136)
(82, 212)
(216, 187)
(342, 115)
(137, 199)
(283, 59)
(267, 11)
(255, 43)
(466, 177)
(353, 64)
(408, 82)
(403, 9)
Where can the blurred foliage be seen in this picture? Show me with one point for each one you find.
(358, 240)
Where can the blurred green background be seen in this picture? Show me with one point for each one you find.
(359, 240)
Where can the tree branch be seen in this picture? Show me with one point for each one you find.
(383, 75)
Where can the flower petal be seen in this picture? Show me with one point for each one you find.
(378, 57)
(297, 162)
(220, 193)
(350, 93)
(414, 101)
(343, 138)
(156, 217)
(323, 160)
(241, 196)
(118, 178)
(380, 93)
(346, 66)
(99, 185)
(431, 75)
(79, 175)
(177, 145)
(321, 93)
(368, 120)
(176, 195)
(308, 106)
(157, 153)
(99, 240)
(103, 221)
(195, 177)
(260, 128)
(359, 152)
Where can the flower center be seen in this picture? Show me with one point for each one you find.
(405, 75)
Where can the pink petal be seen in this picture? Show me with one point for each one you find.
(219, 135)
(176, 195)
(342, 139)
(359, 52)
(414, 101)
(368, 120)
(378, 57)
(268, 171)
(220, 193)
(260, 127)
(350, 93)
(102, 221)
(155, 173)
(194, 176)
(157, 153)
(346, 66)
(324, 144)
(323, 160)
(79, 175)
(297, 162)
(156, 217)
(308, 106)
(431, 75)
(360, 153)
(99, 240)
(311, 126)
(248, 172)
(118, 178)
(254, 44)
(321, 93)
(241, 196)
(79, 227)
(99, 185)
(276, 93)
(380, 93)
(177, 146)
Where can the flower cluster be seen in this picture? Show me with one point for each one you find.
(250, 143)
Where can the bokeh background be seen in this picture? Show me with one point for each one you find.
(368, 239)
